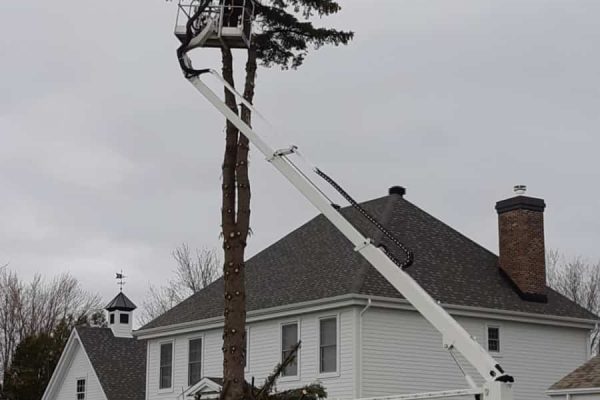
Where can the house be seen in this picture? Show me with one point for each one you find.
(360, 337)
(102, 363)
(581, 384)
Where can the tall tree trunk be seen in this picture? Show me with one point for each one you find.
(235, 216)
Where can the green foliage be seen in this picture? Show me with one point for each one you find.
(36, 357)
(97, 319)
(285, 32)
(32, 366)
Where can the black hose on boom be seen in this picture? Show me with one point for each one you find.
(190, 32)
(409, 255)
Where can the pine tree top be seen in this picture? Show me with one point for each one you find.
(284, 30)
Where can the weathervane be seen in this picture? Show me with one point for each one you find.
(120, 278)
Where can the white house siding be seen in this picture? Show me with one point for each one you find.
(402, 353)
(586, 396)
(78, 368)
(264, 354)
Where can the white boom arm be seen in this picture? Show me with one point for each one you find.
(455, 337)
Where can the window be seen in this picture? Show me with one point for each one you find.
(194, 361)
(166, 365)
(112, 318)
(124, 318)
(80, 389)
(328, 345)
(289, 339)
(493, 338)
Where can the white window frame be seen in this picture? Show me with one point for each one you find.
(487, 339)
(187, 364)
(84, 379)
(287, 378)
(171, 388)
(336, 373)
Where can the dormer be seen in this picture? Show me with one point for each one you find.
(120, 315)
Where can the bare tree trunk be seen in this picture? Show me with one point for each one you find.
(233, 274)
(236, 225)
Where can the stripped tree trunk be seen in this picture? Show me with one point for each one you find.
(235, 220)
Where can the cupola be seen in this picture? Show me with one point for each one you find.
(120, 315)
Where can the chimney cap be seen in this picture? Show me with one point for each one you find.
(520, 203)
(399, 190)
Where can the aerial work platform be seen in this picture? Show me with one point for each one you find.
(211, 23)
(216, 24)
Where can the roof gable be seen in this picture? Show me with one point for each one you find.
(73, 351)
(209, 388)
(119, 363)
(316, 261)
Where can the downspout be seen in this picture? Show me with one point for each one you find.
(360, 344)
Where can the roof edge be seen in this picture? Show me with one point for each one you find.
(60, 364)
(74, 336)
(91, 363)
(557, 392)
(361, 300)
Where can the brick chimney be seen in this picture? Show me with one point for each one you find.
(521, 236)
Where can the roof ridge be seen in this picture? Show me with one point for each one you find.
(315, 254)
(462, 235)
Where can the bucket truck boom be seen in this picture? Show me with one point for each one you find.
(497, 384)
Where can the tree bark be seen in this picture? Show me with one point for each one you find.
(234, 309)
(235, 215)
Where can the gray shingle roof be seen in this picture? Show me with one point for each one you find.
(315, 261)
(120, 363)
(586, 376)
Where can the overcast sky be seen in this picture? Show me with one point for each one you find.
(109, 159)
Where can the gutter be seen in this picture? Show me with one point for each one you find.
(562, 392)
(360, 350)
(360, 300)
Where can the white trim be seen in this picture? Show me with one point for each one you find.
(91, 365)
(360, 350)
(85, 386)
(64, 363)
(496, 354)
(487, 313)
(265, 314)
(61, 364)
(171, 388)
(558, 392)
(147, 383)
(444, 394)
(356, 354)
(289, 378)
(336, 373)
(204, 383)
(361, 300)
(187, 364)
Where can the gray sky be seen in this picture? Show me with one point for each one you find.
(109, 158)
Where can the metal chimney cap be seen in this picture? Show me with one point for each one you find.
(399, 190)
(520, 189)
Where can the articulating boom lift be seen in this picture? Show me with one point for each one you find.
(210, 23)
